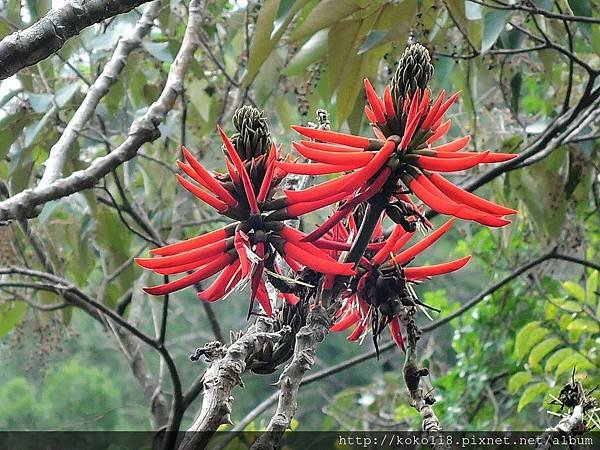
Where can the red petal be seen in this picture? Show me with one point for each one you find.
(384, 252)
(210, 183)
(447, 164)
(316, 168)
(346, 322)
(453, 146)
(375, 102)
(440, 132)
(467, 198)
(333, 157)
(317, 263)
(388, 103)
(197, 255)
(227, 279)
(332, 136)
(195, 242)
(210, 269)
(219, 205)
(416, 273)
(413, 251)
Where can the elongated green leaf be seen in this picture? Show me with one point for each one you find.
(518, 380)
(323, 15)
(313, 50)
(527, 337)
(530, 394)
(539, 351)
(494, 23)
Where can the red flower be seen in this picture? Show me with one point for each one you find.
(403, 151)
(383, 285)
(240, 251)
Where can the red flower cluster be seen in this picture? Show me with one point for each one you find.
(402, 151)
(242, 250)
(401, 160)
(382, 285)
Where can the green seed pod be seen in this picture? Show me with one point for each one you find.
(252, 138)
(414, 71)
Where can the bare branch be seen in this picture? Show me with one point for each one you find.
(58, 153)
(27, 47)
(141, 131)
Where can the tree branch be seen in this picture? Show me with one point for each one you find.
(226, 366)
(141, 131)
(58, 153)
(27, 47)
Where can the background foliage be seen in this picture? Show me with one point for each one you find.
(493, 367)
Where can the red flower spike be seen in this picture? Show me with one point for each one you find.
(201, 274)
(353, 181)
(227, 279)
(436, 202)
(211, 184)
(423, 244)
(375, 102)
(384, 252)
(240, 243)
(319, 264)
(460, 195)
(338, 138)
(396, 332)
(445, 106)
(453, 146)
(344, 210)
(231, 152)
(346, 322)
(388, 103)
(370, 115)
(195, 242)
(219, 205)
(315, 168)
(446, 165)
(196, 255)
(330, 147)
(431, 115)
(418, 273)
(333, 157)
(440, 131)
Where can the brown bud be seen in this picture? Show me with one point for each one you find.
(252, 138)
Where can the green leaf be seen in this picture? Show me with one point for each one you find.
(518, 380)
(160, 50)
(326, 13)
(591, 287)
(575, 290)
(262, 42)
(11, 315)
(374, 38)
(557, 357)
(527, 337)
(577, 361)
(539, 351)
(530, 394)
(583, 326)
(494, 23)
(313, 50)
